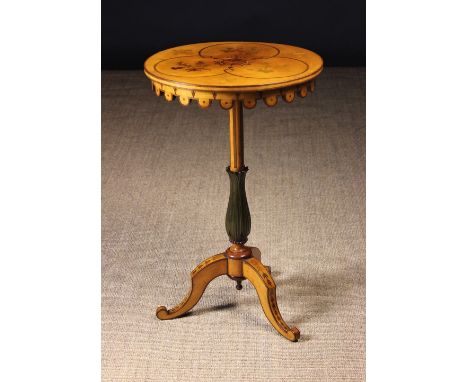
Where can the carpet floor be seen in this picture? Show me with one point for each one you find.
(164, 198)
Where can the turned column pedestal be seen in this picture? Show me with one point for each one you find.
(238, 262)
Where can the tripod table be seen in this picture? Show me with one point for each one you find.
(237, 75)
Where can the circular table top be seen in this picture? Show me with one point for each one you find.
(229, 71)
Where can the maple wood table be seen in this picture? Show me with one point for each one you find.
(237, 75)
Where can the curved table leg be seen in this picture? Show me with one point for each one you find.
(258, 275)
(258, 255)
(202, 275)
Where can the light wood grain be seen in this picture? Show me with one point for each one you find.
(261, 278)
(249, 268)
(236, 137)
(202, 275)
(229, 71)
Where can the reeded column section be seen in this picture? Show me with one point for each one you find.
(238, 214)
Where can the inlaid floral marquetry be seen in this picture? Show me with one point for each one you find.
(233, 71)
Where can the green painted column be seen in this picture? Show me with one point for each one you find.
(238, 214)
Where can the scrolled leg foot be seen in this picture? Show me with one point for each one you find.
(260, 277)
(202, 275)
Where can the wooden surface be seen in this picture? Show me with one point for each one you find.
(239, 269)
(236, 136)
(236, 74)
(229, 71)
(260, 277)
